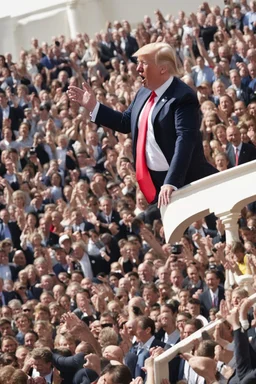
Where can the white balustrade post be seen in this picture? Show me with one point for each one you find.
(229, 221)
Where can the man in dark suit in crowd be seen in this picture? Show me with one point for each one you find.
(164, 121)
(15, 114)
(139, 352)
(238, 152)
(203, 231)
(129, 44)
(213, 295)
(9, 230)
(108, 215)
(5, 296)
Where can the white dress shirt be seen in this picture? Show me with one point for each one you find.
(172, 338)
(146, 345)
(215, 296)
(239, 147)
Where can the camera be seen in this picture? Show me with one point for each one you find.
(176, 249)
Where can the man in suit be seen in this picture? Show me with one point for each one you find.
(5, 296)
(9, 230)
(14, 113)
(238, 153)
(129, 44)
(108, 215)
(164, 121)
(214, 293)
(203, 231)
(139, 352)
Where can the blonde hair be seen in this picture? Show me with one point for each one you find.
(163, 54)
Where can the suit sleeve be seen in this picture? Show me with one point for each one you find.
(70, 363)
(242, 354)
(115, 120)
(187, 130)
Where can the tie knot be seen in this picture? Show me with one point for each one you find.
(153, 95)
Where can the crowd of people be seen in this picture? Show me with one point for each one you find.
(89, 289)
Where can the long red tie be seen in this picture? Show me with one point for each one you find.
(237, 156)
(142, 173)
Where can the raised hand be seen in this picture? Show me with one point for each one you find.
(84, 97)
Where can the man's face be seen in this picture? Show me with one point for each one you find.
(6, 329)
(188, 330)
(9, 346)
(145, 272)
(166, 319)
(225, 105)
(193, 275)
(4, 260)
(142, 334)
(176, 278)
(42, 367)
(194, 309)
(149, 72)
(149, 296)
(4, 215)
(106, 207)
(233, 136)
(212, 281)
(29, 340)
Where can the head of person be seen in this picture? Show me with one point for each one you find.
(145, 329)
(113, 352)
(150, 294)
(234, 135)
(192, 326)
(42, 360)
(212, 279)
(239, 251)
(238, 294)
(221, 161)
(156, 63)
(30, 339)
(115, 374)
(145, 271)
(194, 307)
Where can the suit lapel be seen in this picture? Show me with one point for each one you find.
(137, 107)
(242, 155)
(231, 155)
(168, 95)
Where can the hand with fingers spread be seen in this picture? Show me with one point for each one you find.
(84, 97)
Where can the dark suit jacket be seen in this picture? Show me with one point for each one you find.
(247, 153)
(68, 366)
(206, 301)
(135, 362)
(16, 116)
(211, 232)
(85, 376)
(115, 218)
(15, 233)
(8, 296)
(176, 127)
(131, 46)
(245, 372)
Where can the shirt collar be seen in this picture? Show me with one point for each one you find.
(239, 147)
(161, 90)
(148, 343)
(214, 294)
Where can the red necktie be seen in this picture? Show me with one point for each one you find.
(237, 156)
(142, 173)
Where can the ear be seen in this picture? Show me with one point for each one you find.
(163, 70)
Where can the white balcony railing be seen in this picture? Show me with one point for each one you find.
(224, 194)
